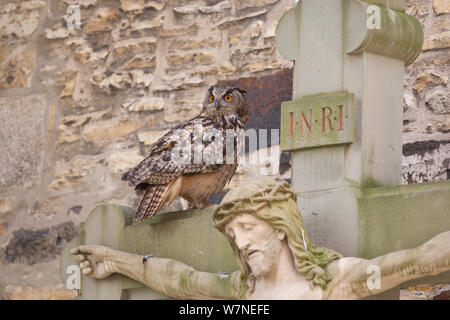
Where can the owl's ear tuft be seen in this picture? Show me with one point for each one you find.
(241, 90)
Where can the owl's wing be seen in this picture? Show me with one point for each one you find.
(163, 165)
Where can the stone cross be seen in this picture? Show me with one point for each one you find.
(347, 152)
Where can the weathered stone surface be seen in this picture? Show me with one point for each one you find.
(7, 204)
(429, 79)
(81, 120)
(443, 125)
(84, 4)
(16, 66)
(226, 21)
(147, 24)
(437, 41)
(46, 293)
(181, 112)
(177, 60)
(426, 292)
(59, 33)
(147, 104)
(21, 6)
(103, 19)
(67, 79)
(195, 8)
(140, 60)
(183, 31)
(139, 5)
(181, 81)
(34, 246)
(18, 25)
(441, 6)
(426, 161)
(438, 101)
(68, 124)
(186, 44)
(150, 137)
(46, 208)
(74, 173)
(253, 3)
(122, 161)
(125, 47)
(110, 130)
(23, 135)
(262, 65)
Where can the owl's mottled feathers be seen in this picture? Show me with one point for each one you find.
(160, 179)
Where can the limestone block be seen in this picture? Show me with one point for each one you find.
(429, 79)
(46, 293)
(441, 6)
(67, 79)
(443, 125)
(7, 204)
(232, 19)
(150, 137)
(131, 46)
(58, 33)
(147, 104)
(438, 101)
(21, 6)
(140, 60)
(253, 3)
(183, 59)
(187, 44)
(74, 172)
(182, 31)
(122, 161)
(22, 134)
(18, 25)
(103, 19)
(218, 7)
(46, 208)
(84, 4)
(437, 41)
(81, 120)
(147, 24)
(110, 130)
(262, 65)
(139, 6)
(181, 112)
(425, 161)
(17, 65)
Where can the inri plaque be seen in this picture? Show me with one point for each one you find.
(317, 120)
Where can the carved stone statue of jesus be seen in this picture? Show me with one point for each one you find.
(275, 256)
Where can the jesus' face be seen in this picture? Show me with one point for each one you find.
(259, 243)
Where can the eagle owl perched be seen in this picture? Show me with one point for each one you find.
(161, 177)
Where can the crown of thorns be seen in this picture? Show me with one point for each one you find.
(257, 201)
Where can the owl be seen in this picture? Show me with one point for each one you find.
(165, 174)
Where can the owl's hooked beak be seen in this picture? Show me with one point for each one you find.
(217, 105)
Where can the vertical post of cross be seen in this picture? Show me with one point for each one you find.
(338, 52)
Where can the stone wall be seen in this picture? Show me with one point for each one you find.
(426, 122)
(78, 107)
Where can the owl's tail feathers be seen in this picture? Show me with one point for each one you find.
(152, 201)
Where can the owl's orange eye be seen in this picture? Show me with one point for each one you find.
(228, 98)
(211, 98)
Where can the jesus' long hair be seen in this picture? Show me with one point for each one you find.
(275, 203)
